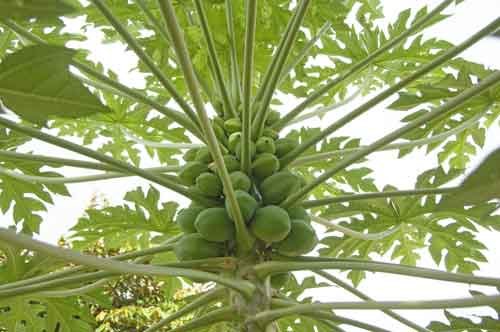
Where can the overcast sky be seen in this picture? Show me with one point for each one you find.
(467, 19)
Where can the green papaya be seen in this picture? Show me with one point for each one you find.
(194, 246)
(265, 165)
(232, 164)
(300, 241)
(190, 155)
(271, 224)
(191, 170)
(220, 133)
(215, 225)
(279, 280)
(268, 132)
(276, 188)
(204, 156)
(253, 150)
(186, 218)
(240, 181)
(298, 212)
(284, 146)
(232, 125)
(219, 107)
(218, 121)
(247, 203)
(265, 145)
(209, 184)
(272, 117)
(234, 140)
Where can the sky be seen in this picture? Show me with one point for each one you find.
(467, 18)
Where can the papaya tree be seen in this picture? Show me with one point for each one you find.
(269, 194)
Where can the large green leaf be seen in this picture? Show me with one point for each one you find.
(34, 8)
(36, 83)
(482, 185)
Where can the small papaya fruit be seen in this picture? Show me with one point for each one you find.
(301, 239)
(265, 145)
(284, 146)
(232, 164)
(191, 170)
(232, 125)
(214, 225)
(298, 212)
(186, 218)
(209, 184)
(194, 246)
(190, 154)
(218, 121)
(279, 280)
(204, 156)
(272, 117)
(265, 165)
(240, 181)
(268, 132)
(271, 224)
(276, 188)
(234, 140)
(253, 150)
(219, 107)
(247, 203)
(220, 133)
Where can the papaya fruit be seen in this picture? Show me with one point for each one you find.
(220, 133)
(253, 150)
(234, 140)
(232, 164)
(247, 203)
(190, 154)
(284, 146)
(301, 239)
(218, 121)
(240, 181)
(265, 165)
(268, 132)
(232, 125)
(272, 117)
(194, 246)
(191, 170)
(219, 107)
(209, 184)
(186, 218)
(279, 280)
(271, 224)
(276, 188)
(265, 145)
(214, 225)
(204, 156)
(298, 212)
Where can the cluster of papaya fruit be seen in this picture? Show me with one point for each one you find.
(210, 231)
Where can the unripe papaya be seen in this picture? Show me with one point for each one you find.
(203, 156)
(279, 280)
(191, 170)
(218, 121)
(247, 203)
(186, 218)
(194, 246)
(220, 133)
(298, 212)
(271, 133)
(232, 164)
(215, 225)
(265, 165)
(240, 181)
(271, 224)
(190, 154)
(209, 184)
(234, 140)
(219, 107)
(272, 117)
(301, 239)
(265, 145)
(232, 125)
(253, 150)
(284, 146)
(276, 188)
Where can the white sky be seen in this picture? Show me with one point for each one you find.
(468, 18)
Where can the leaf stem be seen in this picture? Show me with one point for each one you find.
(248, 63)
(355, 235)
(361, 295)
(442, 110)
(243, 238)
(361, 65)
(213, 317)
(235, 67)
(120, 165)
(21, 240)
(153, 144)
(145, 58)
(384, 194)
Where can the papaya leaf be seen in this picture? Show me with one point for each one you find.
(36, 84)
(482, 185)
(34, 8)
